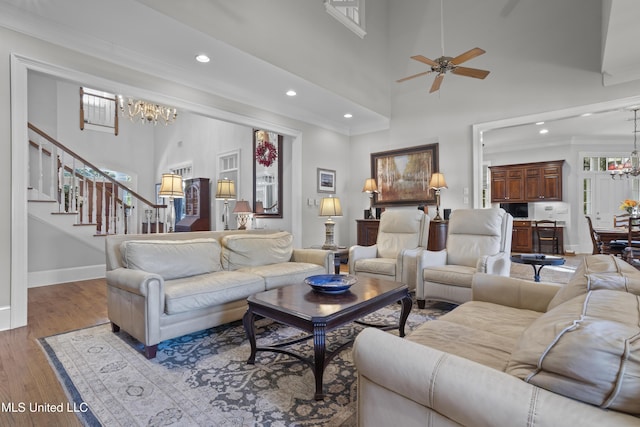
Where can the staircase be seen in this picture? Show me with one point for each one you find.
(69, 193)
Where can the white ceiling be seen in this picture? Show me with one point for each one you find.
(242, 77)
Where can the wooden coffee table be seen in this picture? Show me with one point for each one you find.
(318, 313)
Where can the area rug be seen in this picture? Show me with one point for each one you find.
(203, 379)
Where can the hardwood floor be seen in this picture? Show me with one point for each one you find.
(26, 377)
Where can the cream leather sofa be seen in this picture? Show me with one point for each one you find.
(162, 286)
(478, 241)
(520, 354)
(402, 235)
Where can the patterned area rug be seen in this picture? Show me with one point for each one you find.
(202, 379)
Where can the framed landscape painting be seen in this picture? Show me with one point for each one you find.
(403, 175)
(326, 181)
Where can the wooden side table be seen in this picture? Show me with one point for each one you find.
(367, 231)
(339, 253)
(437, 235)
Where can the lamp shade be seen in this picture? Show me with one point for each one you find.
(370, 186)
(437, 181)
(259, 208)
(242, 206)
(330, 206)
(226, 189)
(171, 186)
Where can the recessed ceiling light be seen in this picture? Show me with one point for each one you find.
(202, 58)
(543, 131)
(348, 116)
(539, 123)
(291, 92)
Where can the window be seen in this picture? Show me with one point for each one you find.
(98, 111)
(348, 12)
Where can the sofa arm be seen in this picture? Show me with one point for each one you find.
(409, 265)
(135, 281)
(499, 264)
(404, 383)
(314, 256)
(512, 292)
(357, 252)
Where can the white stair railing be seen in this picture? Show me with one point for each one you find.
(80, 188)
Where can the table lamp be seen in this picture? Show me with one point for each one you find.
(226, 190)
(437, 183)
(329, 207)
(171, 188)
(371, 188)
(243, 210)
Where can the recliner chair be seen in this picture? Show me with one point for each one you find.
(402, 235)
(478, 241)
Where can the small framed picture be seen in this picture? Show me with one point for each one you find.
(326, 181)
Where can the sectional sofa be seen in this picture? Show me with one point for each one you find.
(519, 354)
(162, 286)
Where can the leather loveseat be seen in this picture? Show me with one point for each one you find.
(162, 286)
(519, 354)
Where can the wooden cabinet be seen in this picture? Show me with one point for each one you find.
(196, 206)
(367, 231)
(521, 237)
(544, 182)
(507, 184)
(528, 182)
(437, 235)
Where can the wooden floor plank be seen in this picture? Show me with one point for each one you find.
(26, 378)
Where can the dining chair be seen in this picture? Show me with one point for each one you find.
(547, 233)
(621, 220)
(632, 251)
(595, 237)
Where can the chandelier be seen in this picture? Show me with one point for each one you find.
(631, 167)
(146, 112)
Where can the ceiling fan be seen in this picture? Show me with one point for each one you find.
(444, 64)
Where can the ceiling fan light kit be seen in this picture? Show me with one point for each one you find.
(445, 64)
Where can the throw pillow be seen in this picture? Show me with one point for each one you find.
(172, 259)
(587, 348)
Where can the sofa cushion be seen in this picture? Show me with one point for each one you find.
(284, 273)
(587, 348)
(172, 259)
(384, 266)
(208, 290)
(599, 272)
(480, 331)
(250, 250)
(454, 275)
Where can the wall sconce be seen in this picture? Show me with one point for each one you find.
(437, 183)
(171, 188)
(243, 210)
(226, 190)
(329, 207)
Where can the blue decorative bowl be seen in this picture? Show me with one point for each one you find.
(331, 283)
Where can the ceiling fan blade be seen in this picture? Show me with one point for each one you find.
(425, 60)
(470, 54)
(470, 72)
(424, 73)
(436, 83)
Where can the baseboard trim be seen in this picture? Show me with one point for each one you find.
(52, 277)
(5, 318)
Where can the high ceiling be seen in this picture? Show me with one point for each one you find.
(242, 77)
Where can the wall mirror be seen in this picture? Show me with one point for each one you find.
(267, 174)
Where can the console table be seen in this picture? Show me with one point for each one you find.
(368, 233)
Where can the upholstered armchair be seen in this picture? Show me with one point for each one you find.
(478, 241)
(402, 234)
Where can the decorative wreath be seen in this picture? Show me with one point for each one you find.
(266, 153)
